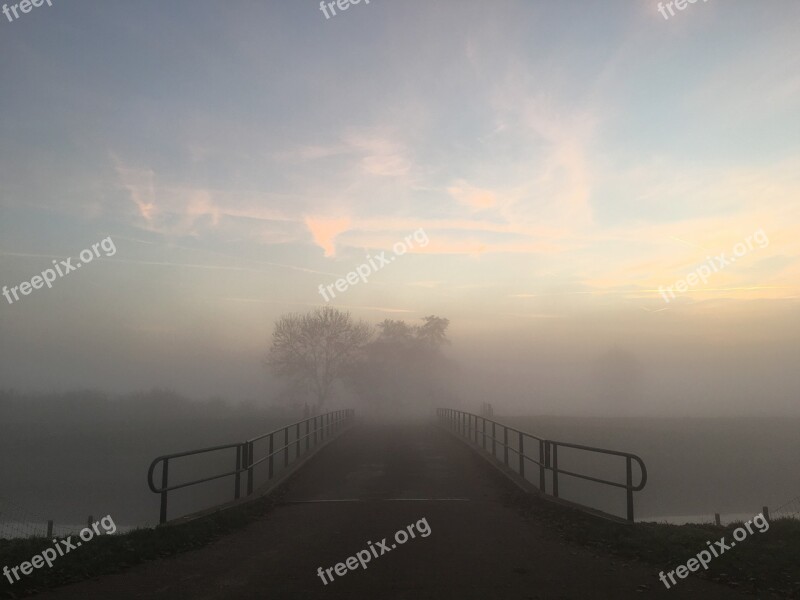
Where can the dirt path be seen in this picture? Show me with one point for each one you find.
(364, 487)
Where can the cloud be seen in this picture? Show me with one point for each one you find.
(473, 197)
(325, 230)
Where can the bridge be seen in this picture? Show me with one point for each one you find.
(452, 507)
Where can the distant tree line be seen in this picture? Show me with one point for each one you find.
(393, 364)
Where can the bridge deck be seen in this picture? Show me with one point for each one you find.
(364, 487)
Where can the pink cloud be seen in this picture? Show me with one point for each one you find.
(325, 230)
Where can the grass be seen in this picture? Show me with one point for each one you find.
(760, 563)
(113, 553)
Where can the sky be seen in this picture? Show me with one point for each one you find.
(563, 164)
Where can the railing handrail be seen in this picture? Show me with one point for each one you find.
(180, 455)
(636, 488)
(525, 433)
(548, 453)
(244, 454)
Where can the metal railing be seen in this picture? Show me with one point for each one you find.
(466, 424)
(324, 427)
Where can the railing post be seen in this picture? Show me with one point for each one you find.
(164, 485)
(505, 445)
(297, 442)
(308, 434)
(555, 469)
(285, 447)
(249, 463)
(237, 477)
(521, 456)
(483, 430)
(542, 463)
(494, 440)
(315, 431)
(271, 446)
(629, 486)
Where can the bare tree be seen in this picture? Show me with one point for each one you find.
(314, 350)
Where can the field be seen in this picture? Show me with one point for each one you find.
(696, 467)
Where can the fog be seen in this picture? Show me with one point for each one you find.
(703, 360)
(410, 206)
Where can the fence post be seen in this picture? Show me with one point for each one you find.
(629, 485)
(89, 521)
(521, 456)
(50, 528)
(765, 512)
(237, 477)
(164, 485)
(483, 430)
(297, 442)
(285, 447)
(717, 520)
(271, 446)
(494, 439)
(542, 463)
(308, 434)
(249, 463)
(505, 445)
(554, 451)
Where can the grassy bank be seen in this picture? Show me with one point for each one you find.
(761, 563)
(112, 553)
